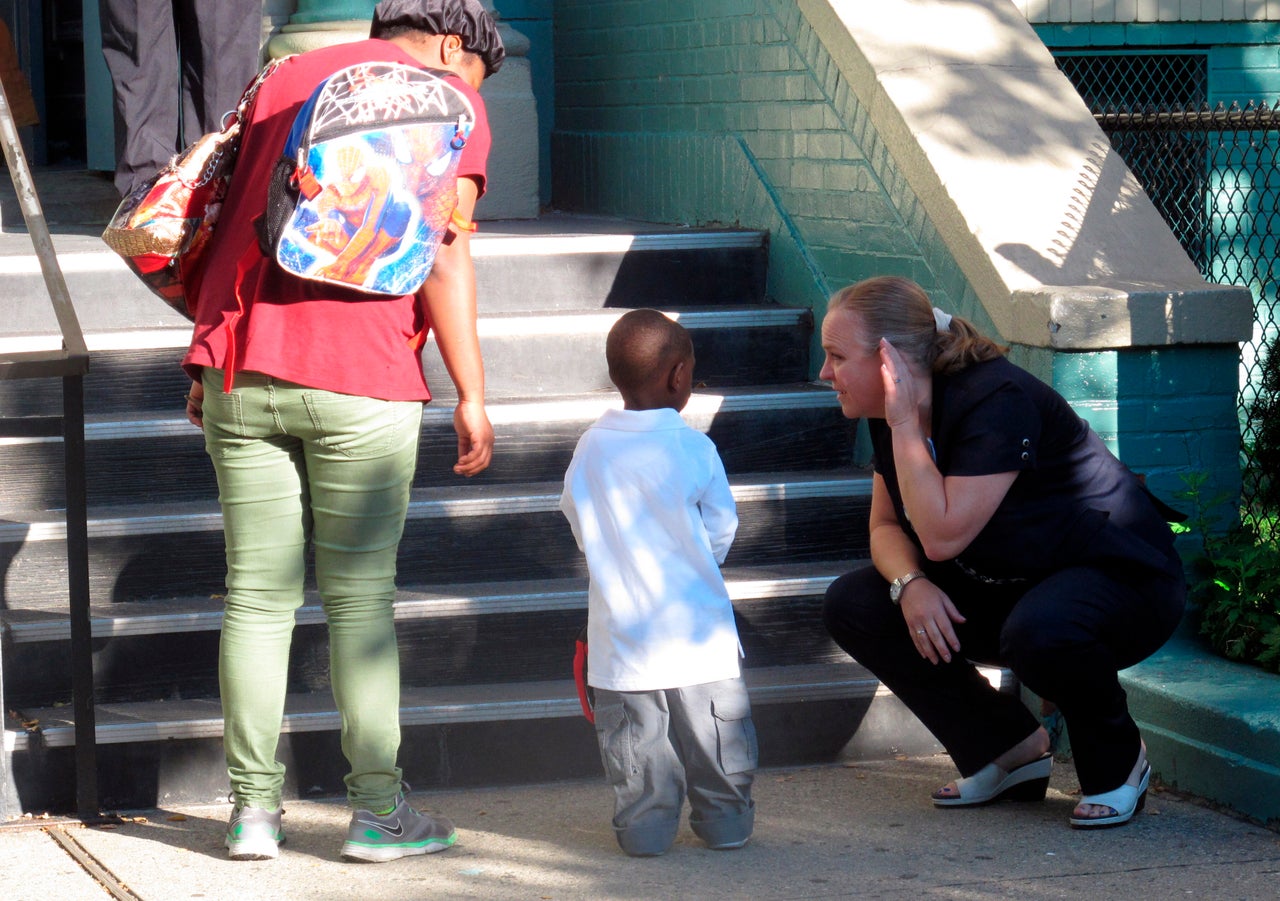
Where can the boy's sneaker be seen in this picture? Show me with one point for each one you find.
(254, 833)
(401, 833)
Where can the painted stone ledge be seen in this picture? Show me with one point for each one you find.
(1095, 317)
(1050, 228)
(1212, 726)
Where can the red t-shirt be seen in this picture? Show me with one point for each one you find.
(293, 329)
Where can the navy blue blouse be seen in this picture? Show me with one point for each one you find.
(1072, 502)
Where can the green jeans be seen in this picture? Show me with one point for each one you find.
(297, 465)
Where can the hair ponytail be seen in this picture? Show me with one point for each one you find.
(898, 309)
(962, 345)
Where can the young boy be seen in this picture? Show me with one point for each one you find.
(650, 506)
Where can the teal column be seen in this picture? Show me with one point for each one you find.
(319, 23)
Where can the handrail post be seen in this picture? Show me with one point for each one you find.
(73, 363)
(82, 686)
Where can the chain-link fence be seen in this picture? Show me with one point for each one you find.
(1214, 174)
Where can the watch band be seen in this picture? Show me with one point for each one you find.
(896, 586)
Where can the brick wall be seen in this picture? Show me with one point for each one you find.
(731, 111)
(1163, 413)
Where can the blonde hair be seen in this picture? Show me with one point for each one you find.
(898, 309)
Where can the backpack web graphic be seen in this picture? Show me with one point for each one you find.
(376, 92)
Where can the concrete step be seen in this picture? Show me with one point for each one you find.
(71, 200)
(315, 712)
(162, 457)
(493, 583)
(448, 635)
(525, 356)
(794, 517)
(488, 735)
(1212, 726)
(555, 262)
(174, 615)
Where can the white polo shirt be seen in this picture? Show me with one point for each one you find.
(650, 506)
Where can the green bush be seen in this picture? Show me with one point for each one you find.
(1236, 588)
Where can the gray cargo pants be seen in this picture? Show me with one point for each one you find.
(657, 746)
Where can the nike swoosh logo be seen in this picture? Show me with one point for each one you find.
(397, 831)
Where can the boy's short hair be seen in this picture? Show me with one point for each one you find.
(468, 19)
(641, 345)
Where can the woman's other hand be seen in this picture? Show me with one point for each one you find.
(931, 617)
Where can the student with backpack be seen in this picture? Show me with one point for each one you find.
(310, 396)
(650, 506)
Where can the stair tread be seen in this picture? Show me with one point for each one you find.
(586, 406)
(187, 719)
(191, 614)
(549, 226)
(493, 323)
(473, 496)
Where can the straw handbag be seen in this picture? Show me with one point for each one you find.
(163, 227)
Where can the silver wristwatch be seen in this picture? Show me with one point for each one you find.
(896, 586)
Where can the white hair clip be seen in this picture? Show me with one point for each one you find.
(943, 319)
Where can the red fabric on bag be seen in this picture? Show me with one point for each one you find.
(580, 676)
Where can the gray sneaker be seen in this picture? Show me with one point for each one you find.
(254, 833)
(401, 833)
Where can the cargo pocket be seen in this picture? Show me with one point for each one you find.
(736, 732)
(613, 730)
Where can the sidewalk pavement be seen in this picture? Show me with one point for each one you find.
(864, 830)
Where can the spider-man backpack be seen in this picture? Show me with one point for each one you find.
(367, 184)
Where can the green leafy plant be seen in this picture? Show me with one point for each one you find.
(1237, 584)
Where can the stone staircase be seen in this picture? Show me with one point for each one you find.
(493, 588)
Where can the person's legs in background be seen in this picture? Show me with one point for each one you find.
(140, 47)
(220, 48)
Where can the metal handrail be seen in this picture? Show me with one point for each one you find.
(70, 362)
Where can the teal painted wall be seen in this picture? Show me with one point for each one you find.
(731, 111)
(1244, 57)
(1164, 412)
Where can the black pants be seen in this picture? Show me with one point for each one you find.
(1065, 638)
(176, 67)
